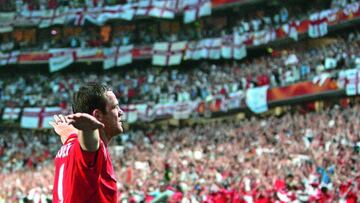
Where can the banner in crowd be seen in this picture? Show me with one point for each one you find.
(233, 47)
(210, 48)
(192, 52)
(6, 21)
(195, 49)
(263, 37)
(85, 53)
(206, 49)
(144, 112)
(168, 54)
(301, 88)
(182, 110)
(7, 46)
(235, 99)
(166, 9)
(156, 8)
(76, 16)
(318, 25)
(290, 29)
(125, 12)
(117, 56)
(38, 117)
(330, 63)
(11, 113)
(350, 80)
(110, 57)
(31, 57)
(228, 47)
(256, 99)
(350, 10)
(52, 17)
(130, 113)
(194, 9)
(9, 58)
(60, 59)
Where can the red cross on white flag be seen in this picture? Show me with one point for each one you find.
(168, 54)
(38, 117)
(194, 9)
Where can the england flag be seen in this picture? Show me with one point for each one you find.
(168, 54)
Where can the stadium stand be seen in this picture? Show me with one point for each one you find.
(190, 82)
(230, 160)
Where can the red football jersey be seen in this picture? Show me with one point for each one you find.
(82, 176)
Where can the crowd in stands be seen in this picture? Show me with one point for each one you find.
(280, 68)
(21, 5)
(311, 157)
(23, 154)
(147, 33)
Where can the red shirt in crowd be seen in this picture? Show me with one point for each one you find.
(263, 80)
(346, 191)
(82, 176)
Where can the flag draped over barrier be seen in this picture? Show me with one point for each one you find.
(256, 99)
(194, 9)
(156, 8)
(206, 48)
(233, 47)
(228, 47)
(117, 56)
(318, 25)
(6, 20)
(166, 9)
(60, 59)
(168, 54)
(350, 80)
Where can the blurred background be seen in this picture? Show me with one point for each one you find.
(241, 101)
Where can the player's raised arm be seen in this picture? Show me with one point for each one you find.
(88, 126)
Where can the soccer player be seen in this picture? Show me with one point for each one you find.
(83, 168)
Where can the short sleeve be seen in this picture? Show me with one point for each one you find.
(87, 159)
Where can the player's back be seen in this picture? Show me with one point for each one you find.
(82, 176)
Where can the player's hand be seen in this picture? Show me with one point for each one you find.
(84, 121)
(62, 127)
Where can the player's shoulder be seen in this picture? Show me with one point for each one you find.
(65, 149)
(72, 138)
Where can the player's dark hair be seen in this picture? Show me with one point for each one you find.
(90, 97)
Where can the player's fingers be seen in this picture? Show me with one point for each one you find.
(57, 119)
(63, 118)
(52, 123)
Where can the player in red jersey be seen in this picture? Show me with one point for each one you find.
(83, 168)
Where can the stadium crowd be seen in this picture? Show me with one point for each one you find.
(282, 67)
(312, 157)
(147, 33)
(19, 5)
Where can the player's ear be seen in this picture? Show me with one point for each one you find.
(98, 115)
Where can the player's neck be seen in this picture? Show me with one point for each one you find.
(106, 139)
